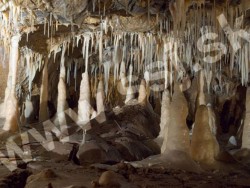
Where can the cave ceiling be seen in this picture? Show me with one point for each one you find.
(47, 25)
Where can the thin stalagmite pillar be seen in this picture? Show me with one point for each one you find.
(43, 112)
(61, 98)
(201, 96)
(165, 120)
(130, 92)
(142, 98)
(123, 79)
(28, 112)
(100, 97)
(11, 103)
(84, 107)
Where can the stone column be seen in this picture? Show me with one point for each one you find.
(11, 103)
(176, 133)
(84, 107)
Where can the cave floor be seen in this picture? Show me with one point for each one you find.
(55, 171)
(60, 173)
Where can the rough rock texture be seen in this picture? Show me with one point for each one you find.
(4, 75)
(177, 133)
(127, 135)
(246, 130)
(204, 146)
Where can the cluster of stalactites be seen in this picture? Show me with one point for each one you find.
(165, 51)
(142, 51)
(146, 52)
(33, 62)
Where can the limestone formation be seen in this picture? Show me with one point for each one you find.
(200, 100)
(28, 112)
(100, 98)
(165, 120)
(122, 80)
(142, 98)
(204, 146)
(11, 103)
(84, 107)
(176, 134)
(61, 98)
(130, 90)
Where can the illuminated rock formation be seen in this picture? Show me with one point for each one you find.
(11, 103)
(84, 107)
(175, 130)
(204, 146)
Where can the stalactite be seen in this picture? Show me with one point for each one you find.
(107, 66)
(117, 58)
(208, 76)
(11, 122)
(43, 112)
(100, 42)
(85, 49)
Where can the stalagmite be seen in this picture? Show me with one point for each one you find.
(43, 112)
(100, 98)
(212, 120)
(130, 92)
(93, 115)
(204, 146)
(28, 112)
(11, 123)
(246, 129)
(165, 120)
(201, 96)
(123, 79)
(84, 107)
(61, 98)
(142, 98)
(176, 134)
